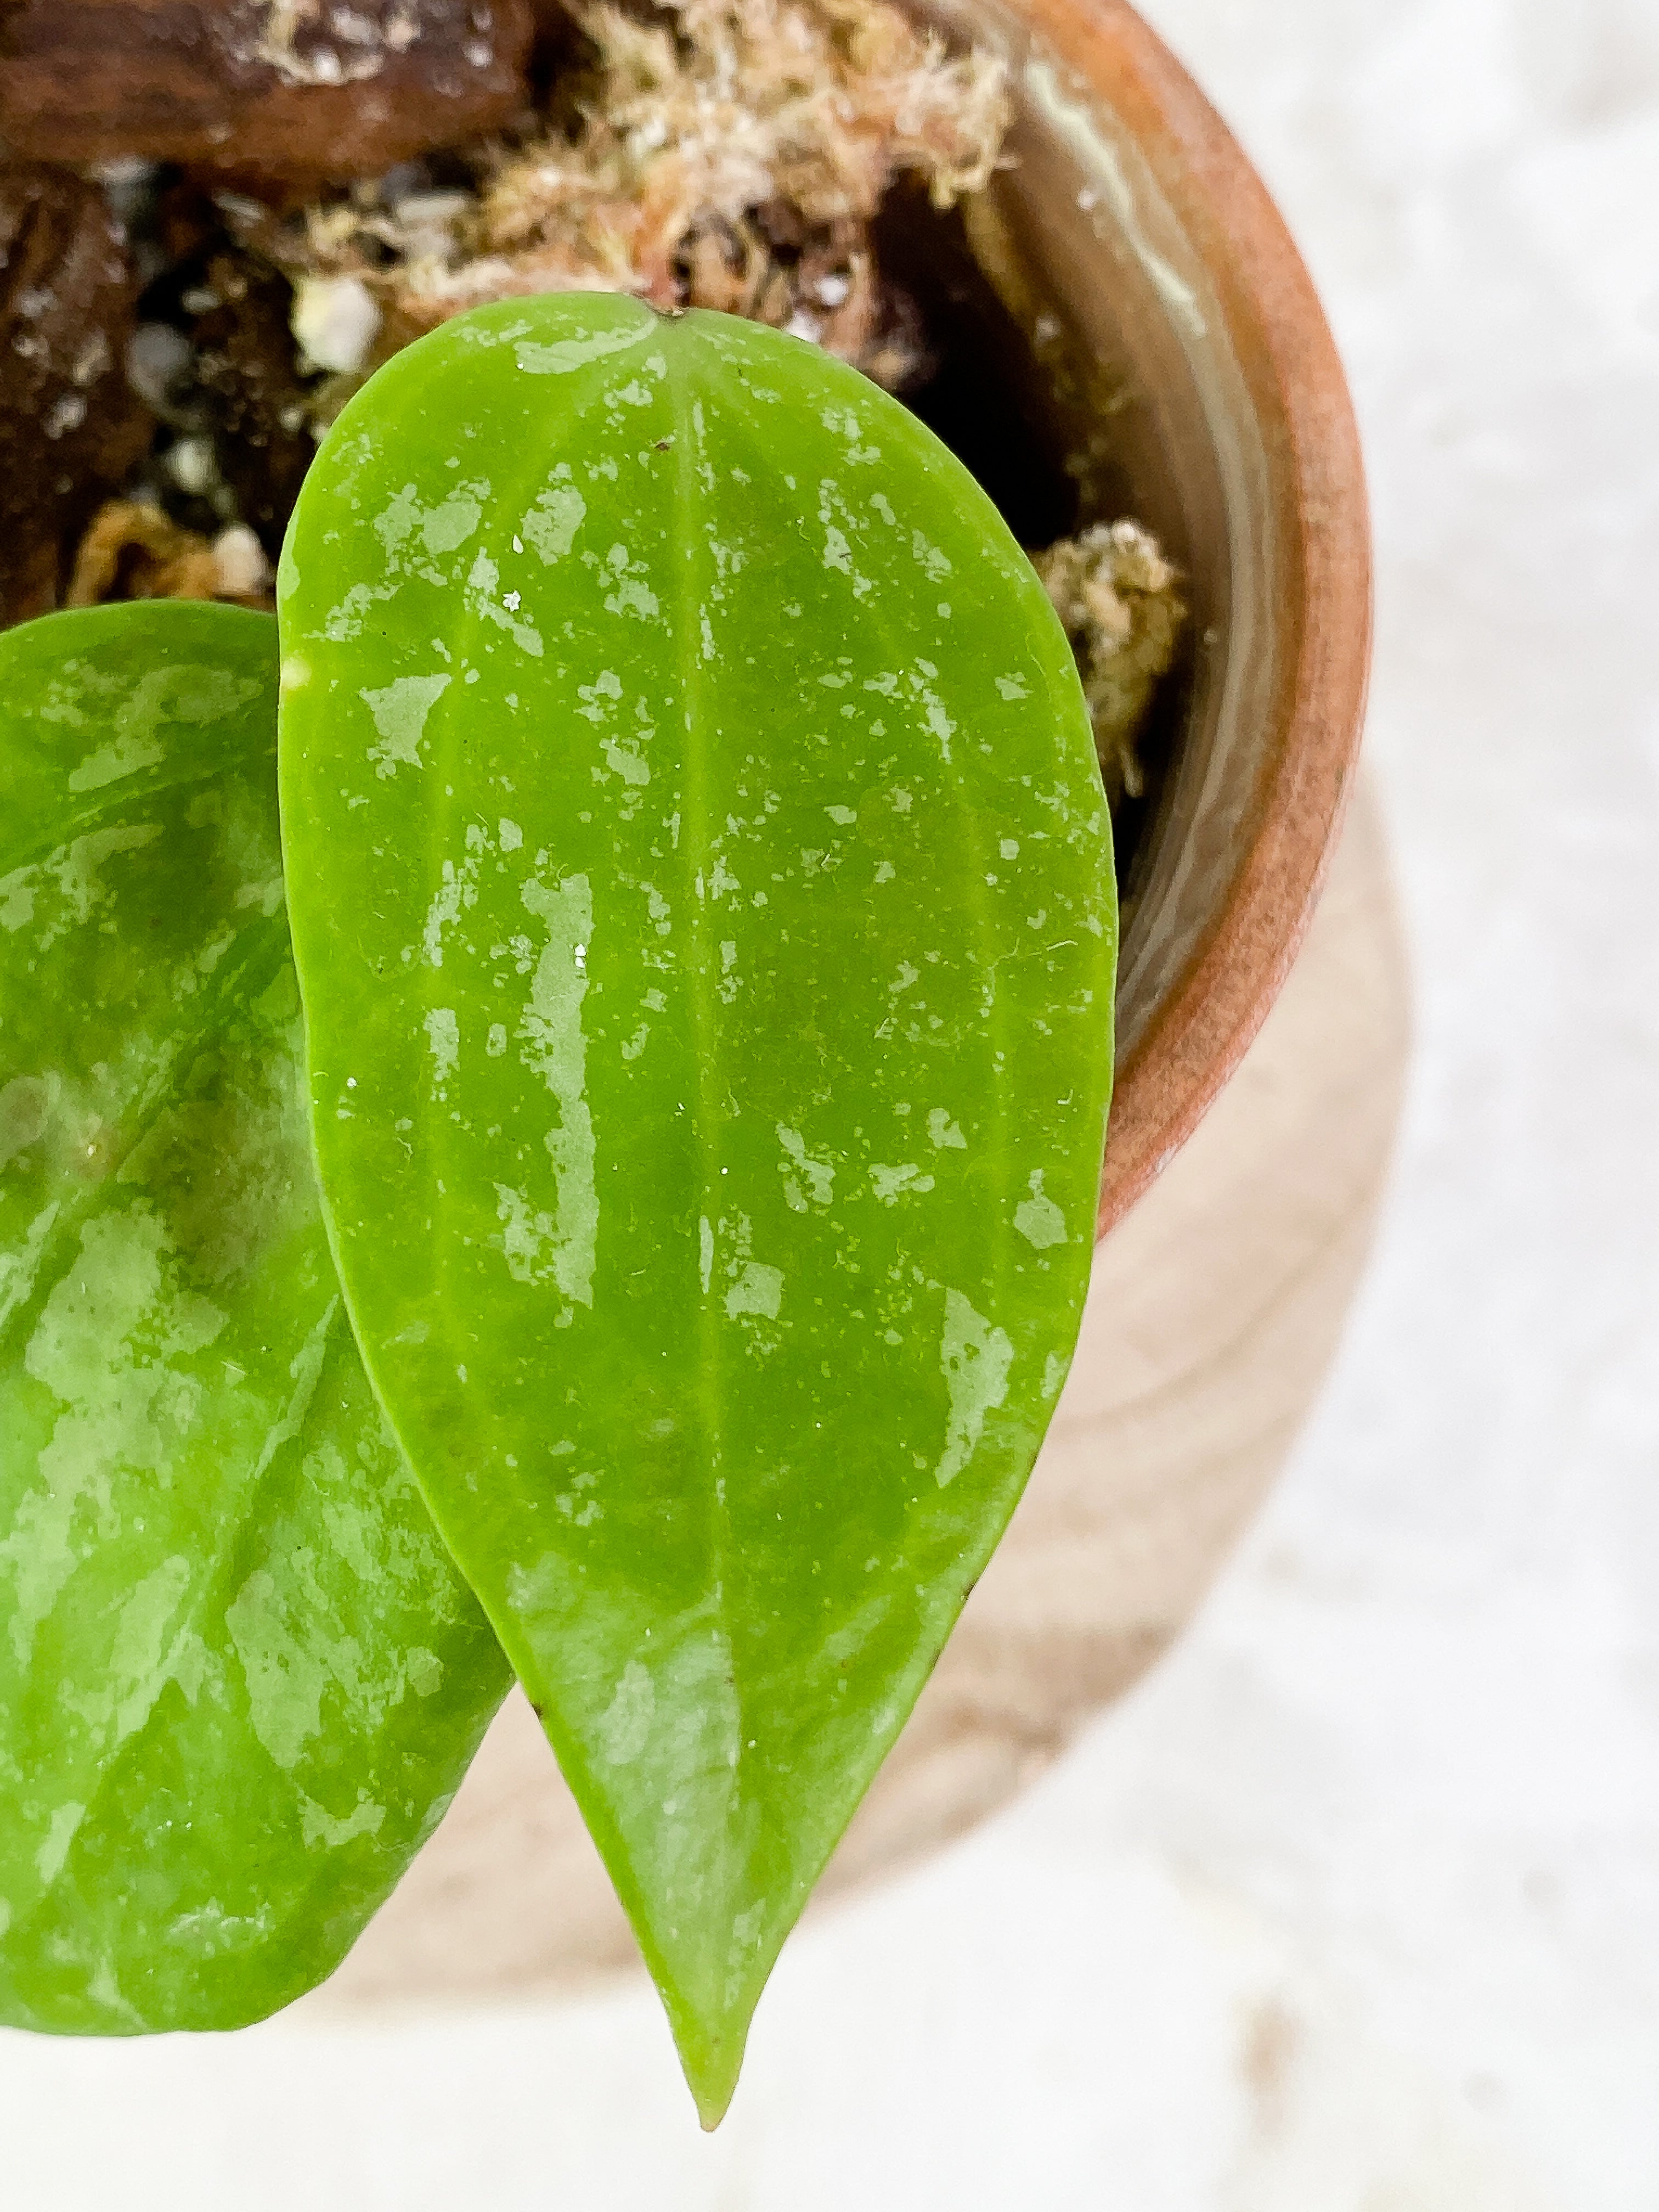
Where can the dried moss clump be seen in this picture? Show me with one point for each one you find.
(132, 550)
(1120, 601)
(726, 154)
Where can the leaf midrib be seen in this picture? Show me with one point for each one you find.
(693, 577)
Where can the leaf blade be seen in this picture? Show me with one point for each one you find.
(710, 1107)
(238, 1676)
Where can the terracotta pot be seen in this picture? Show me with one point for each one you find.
(1137, 224)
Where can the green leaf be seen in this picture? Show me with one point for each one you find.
(240, 1678)
(703, 906)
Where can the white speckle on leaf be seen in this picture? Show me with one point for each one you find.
(19, 1266)
(624, 1727)
(820, 1176)
(483, 581)
(943, 1131)
(348, 618)
(975, 1359)
(136, 745)
(444, 1036)
(1037, 1218)
(555, 1049)
(444, 528)
(400, 713)
(605, 686)
(104, 1345)
(933, 709)
(631, 596)
(60, 1834)
(551, 525)
(288, 1669)
(628, 765)
(758, 1290)
(318, 1825)
(455, 891)
(889, 1184)
(929, 557)
(526, 1235)
(565, 354)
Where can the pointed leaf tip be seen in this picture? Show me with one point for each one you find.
(709, 1089)
(711, 2071)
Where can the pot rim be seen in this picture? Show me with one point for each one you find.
(1279, 331)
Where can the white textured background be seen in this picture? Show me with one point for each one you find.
(1355, 1906)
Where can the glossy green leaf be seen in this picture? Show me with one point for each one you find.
(240, 1677)
(703, 906)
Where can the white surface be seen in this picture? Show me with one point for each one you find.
(1355, 1906)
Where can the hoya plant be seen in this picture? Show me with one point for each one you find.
(608, 1199)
